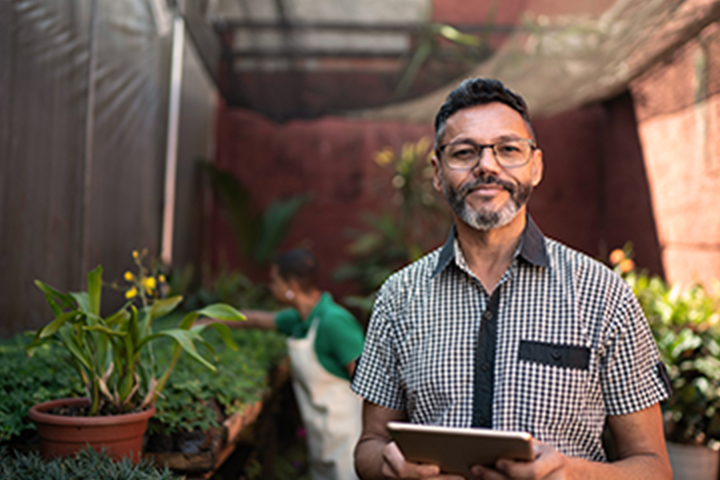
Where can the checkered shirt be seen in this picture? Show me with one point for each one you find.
(571, 345)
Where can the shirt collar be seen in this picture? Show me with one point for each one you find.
(532, 247)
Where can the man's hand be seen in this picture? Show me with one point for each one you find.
(395, 466)
(549, 464)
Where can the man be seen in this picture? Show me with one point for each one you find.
(324, 340)
(503, 328)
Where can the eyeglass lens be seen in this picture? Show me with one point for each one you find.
(509, 153)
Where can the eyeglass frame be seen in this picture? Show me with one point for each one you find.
(482, 146)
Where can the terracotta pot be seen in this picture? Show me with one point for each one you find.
(60, 435)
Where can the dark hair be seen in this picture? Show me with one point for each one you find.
(300, 265)
(479, 91)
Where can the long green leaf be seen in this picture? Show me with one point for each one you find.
(188, 320)
(223, 330)
(221, 311)
(82, 300)
(94, 288)
(164, 306)
(71, 344)
(52, 327)
(52, 295)
(103, 329)
(185, 339)
(275, 224)
(117, 317)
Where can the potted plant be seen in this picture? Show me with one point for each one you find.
(686, 327)
(113, 357)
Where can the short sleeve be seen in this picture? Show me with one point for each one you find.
(377, 377)
(286, 321)
(343, 337)
(633, 378)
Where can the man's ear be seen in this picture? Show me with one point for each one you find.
(537, 167)
(437, 183)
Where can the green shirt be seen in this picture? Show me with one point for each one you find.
(339, 337)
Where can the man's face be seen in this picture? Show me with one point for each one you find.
(489, 195)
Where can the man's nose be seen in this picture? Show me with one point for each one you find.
(486, 160)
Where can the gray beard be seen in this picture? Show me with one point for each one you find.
(486, 219)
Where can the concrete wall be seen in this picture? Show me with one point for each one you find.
(678, 110)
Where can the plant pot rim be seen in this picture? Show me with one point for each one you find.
(38, 413)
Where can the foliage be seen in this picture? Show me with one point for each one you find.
(112, 354)
(404, 231)
(433, 42)
(25, 382)
(240, 379)
(684, 322)
(259, 232)
(86, 465)
(234, 288)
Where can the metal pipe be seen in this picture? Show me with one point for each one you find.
(176, 69)
(89, 146)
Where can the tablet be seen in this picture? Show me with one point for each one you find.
(455, 450)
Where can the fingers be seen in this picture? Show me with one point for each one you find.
(395, 466)
(549, 463)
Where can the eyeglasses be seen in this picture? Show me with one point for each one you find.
(466, 155)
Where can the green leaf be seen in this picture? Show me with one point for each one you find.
(52, 327)
(51, 295)
(164, 306)
(103, 329)
(82, 300)
(224, 332)
(71, 344)
(221, 311)
(94, 286)
(275, 224)
(185, 338)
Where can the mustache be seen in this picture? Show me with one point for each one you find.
(486, 180)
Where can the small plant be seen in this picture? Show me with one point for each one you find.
(86, 465)
(24, 383)
(415, 222)
(112, 354)
(686, 327)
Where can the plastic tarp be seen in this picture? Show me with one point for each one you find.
(83, 118)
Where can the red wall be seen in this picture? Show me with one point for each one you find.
(594, 194)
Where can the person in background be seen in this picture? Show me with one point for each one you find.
(324, 341)
(505, 328)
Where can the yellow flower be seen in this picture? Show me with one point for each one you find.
(132, 293)
(384, 156)
(128, 276)
(149, 284)
(616, 256)
(135, 254)
(161, 277)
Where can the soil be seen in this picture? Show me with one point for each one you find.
(81, 411)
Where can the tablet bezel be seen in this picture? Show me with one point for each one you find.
(455, 450)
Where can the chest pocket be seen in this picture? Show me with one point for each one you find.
(552, 385)
(566, 356)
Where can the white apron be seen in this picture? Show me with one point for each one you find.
(331, 412)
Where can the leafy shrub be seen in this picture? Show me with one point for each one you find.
(86, 465)
(413, 223)
(685, 322)
(25, 382)
(240, 379)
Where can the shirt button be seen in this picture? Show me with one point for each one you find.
(487, 315)
(556, 354)
(485, 367)
(482, 420)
